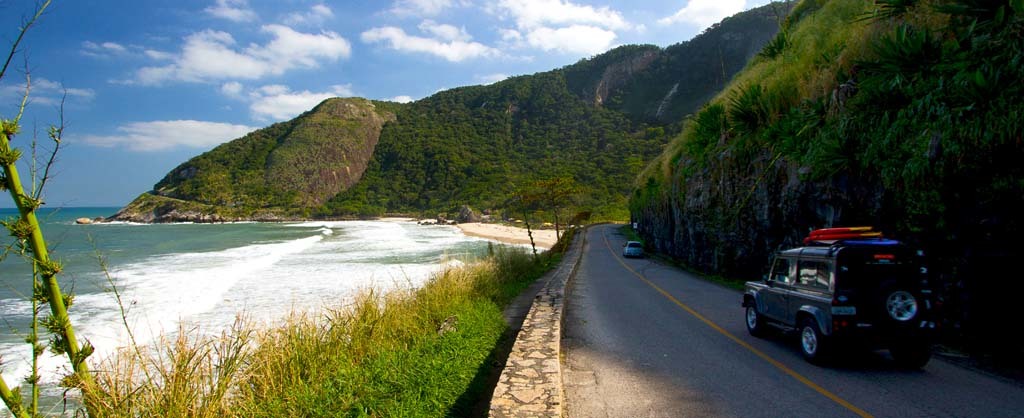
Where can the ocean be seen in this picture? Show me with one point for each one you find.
(205, 275)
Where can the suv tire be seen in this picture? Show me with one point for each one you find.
(756, 325)
(813, 344)
(900, 305)
(911, 355)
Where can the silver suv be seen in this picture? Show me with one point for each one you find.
(860, 292)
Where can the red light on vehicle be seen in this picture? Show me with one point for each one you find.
(885, 257)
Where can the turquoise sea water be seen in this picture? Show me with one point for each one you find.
(204, 275)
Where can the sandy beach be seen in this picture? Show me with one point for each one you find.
(544, 238)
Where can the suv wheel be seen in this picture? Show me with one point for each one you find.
(901, 305)
(755, 323)
(911, 355)
(813, 345)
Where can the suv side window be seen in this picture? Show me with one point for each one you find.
(780, 271)
(814, 274)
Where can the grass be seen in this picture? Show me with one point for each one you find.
(423, 352)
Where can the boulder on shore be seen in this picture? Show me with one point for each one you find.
(466, 215)
(84, 221)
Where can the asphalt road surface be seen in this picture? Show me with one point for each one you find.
(646, 340)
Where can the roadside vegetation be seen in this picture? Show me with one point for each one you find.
(420, 352)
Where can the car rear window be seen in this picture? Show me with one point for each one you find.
(634, 245)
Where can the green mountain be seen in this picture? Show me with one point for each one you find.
(902, 114)
(596, 123)
(276, 172)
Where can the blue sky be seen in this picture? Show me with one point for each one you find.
(152, 83)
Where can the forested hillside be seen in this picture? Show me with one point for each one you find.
(592, 125)
(903, 114)
(596, 122)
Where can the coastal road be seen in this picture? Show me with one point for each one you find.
(642, 339)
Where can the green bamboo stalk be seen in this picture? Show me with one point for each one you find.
(13, 402)
(41, 257)
(33, 338)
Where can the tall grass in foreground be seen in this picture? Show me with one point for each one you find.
(422, 352)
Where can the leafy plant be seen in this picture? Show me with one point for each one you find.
(890, 9)
(776, 46)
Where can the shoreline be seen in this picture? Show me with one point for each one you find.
(543, 238)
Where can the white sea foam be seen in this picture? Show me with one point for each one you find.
(264, 280)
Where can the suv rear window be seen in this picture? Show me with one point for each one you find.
(868, 269)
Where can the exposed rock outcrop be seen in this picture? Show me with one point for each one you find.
(618, 74)
(731, 216)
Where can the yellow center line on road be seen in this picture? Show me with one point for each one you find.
(792, 373)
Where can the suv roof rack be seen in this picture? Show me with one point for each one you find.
(879, 241)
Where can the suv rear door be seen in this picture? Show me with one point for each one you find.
(813, 278)
(867, 275)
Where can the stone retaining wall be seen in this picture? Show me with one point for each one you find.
(531, 382)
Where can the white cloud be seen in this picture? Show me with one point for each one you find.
(401, 99)
(424, 8)
(158, 55)
(451, 50)
(212, 55)
(491, 78)
(113, 46)
(231, 89)
(444, 32)
(167, 134)
(104, 49)
(575, 39)
(704, 13)
(530, 14)
(510, 35)
(559, 25)
(233, 10)
(44, 92)
(317, 15)
(276, 102)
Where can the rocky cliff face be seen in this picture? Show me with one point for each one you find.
(730, 216)
(618, 74)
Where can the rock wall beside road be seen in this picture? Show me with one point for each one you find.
(531, 382)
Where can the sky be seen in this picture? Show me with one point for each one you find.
(146, 85)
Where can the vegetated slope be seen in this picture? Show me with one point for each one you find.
(281, 170)
(475, 145)
(592, 123)
(901, 114)
(662, 85)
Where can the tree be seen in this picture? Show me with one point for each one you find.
(557, 194)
